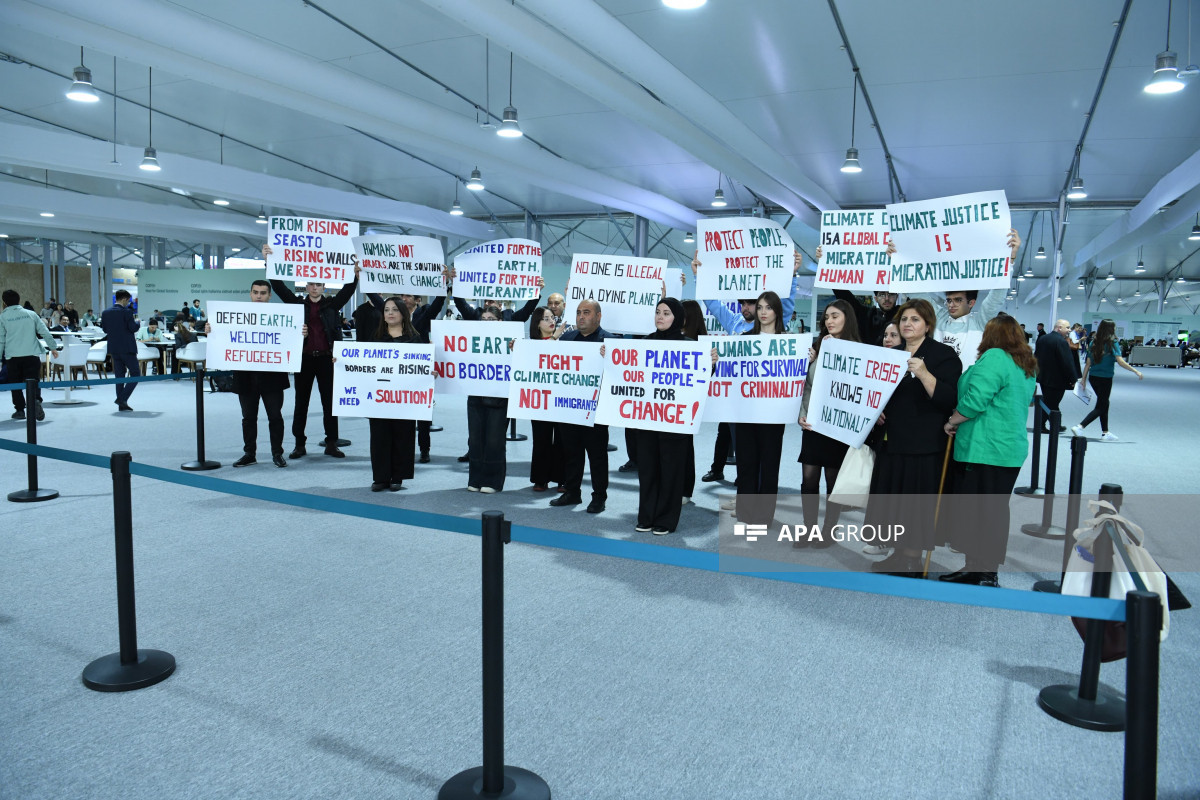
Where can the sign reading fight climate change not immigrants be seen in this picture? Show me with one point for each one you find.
(950, 243)
(854, 251)
(383, 380)
(506, 269)
(654, 385)
(551, 383)
(473, 356)
(306, 249)
(852, 384)
(742, 257)
(757, 378)
(263, 337)
(400, 264)
(626, 288)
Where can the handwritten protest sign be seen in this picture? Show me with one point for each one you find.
(654, 385)
(742, 257)
(473, 356)
(264, 337)
(675, 282)
(308, 249)
(854, 251)
(383, 380)
(400, 264)
(626, 288)
(506, 269)
(553, 384)
(950, 243)
(757, 378)
(851, 384)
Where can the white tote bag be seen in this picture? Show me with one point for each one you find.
(853, 485)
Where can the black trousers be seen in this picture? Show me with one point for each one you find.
(319, 367)
(20, 369)
(1052, 398)
(392, 449)
(486, 426)
(423, 427)
(631, 444)
(272, 401)
(985, 540)
(662, 470)
(546, 466)
(1103, 387)
(689, 477)
(125, 364)
(725, 443)
(759, 449)
(579, 440)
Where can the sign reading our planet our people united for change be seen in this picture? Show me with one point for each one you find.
(854, 251)
(473, 356)
(851, 385)
(742, 257)
(263, 337)
(757, 378)
(506, 269)
(654, 385)
(626, 288)
(400, 264)
(383, 380)
(307, 249)
(551, 383)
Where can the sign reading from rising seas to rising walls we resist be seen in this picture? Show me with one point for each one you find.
(305, 249)
(742, 257)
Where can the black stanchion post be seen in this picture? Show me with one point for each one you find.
(494, 779)
(1046, 529)
(130, 668)
(32, 494)
(1035, 462)
(1143, 620)
(1074, 500)
(513, 436)
(201, 463)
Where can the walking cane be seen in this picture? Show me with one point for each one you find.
(938, 507)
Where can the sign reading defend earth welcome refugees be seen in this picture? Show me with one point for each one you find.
(950, 243)
(626, 288)
(383, 380)
(305, 249)
(506, 269)
(400, 264)
(854, 251)
(255, 336)
(654, 385)
(473, 356)
(852, 384)
(551, 383)
(769, 370)
(742, 257)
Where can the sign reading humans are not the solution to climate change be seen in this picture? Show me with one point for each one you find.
(305, 249)
(506, 269)
(400, 264)
(854, 251)
(768, 369)
(383, 380)
(264, 337)
(473, 356)
(742, 257)
(626, 288)
(654, 385)
(950, 243)
(852, 384)
(553, 384)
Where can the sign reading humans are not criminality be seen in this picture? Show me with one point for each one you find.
(626, 288)
(757, 378)
(305, 249)
(950, 243)
(852, 384)
(854, 251)
(742, 257)
(473, 356)
(383, 380)
(263, 337)
(654, 385)
(400, 264)
(553, 384)
(506, 269)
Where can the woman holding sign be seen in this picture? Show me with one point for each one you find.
(392, 440)
(487, 422)
(546, 465)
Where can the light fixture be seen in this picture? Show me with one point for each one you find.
(1195, 235)
(851, 165)
(1041, 251)
(1180, 279)
(1058, 299)
(1137, 292)
(1020, 277)
(261, 219)
(688, 238)
(718, 200)
(1166, 72)
(509, 128)
(3, 235)
(220, 202)
(475, 182)
(456, 209)
(47, 214)
(81, 90)
(1141, 266)
(1076, 192)
(1120, 301)
(236, 250)
(683, 5)
(1067, 297)
(1110, 274)
(1103, 299)
(150, 158)
(1028, 271)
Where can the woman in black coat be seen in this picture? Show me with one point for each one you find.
(392, 440)
(547, 463)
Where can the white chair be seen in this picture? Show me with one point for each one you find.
(98, 358)
(146, 355)
(193, 354)
(73, 359)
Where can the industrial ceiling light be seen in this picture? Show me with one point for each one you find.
(1180, 279)
(1067, 297)
(1020, 277)
(47, 214)
(683, 5)
(851, 165)
(509, 127)
(1195, 235)
(1110, 274)
(456, 209)
(1076, 192)
(1141, 266)
(1138, 291)
(150, 158)
(1028, 271)
(220, 202)
(261, 219)
(81, 90)
(1041, 251)
(718, 200)
(475, 182)
(1166, 69)
(688, 238)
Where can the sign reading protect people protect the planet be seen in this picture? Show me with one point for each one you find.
(383, 380)
(654, 385)
(854, 251)
(851, 385)
(950, 243)
(263, 337)
(552, 383)
(757, 378)
(473, 356)
(400, 264)
(626, 288)
(742, 257)
(506, 269)
(305, 249)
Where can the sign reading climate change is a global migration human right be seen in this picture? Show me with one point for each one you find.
(851, 384)
(742, 257)
(305, 249)
(400, 264)
(506, 269)
(383, 380)
(254, 336)
(854, 251)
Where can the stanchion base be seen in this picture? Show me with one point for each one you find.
(35, 496)
(63, 402)
(1105, 713)
(197, 466)
(1036, 530)
(1029, 491)
(108, 674)
(436, 429)
(516, 437)
(519, 784)
(340, 443)
(1049, 587)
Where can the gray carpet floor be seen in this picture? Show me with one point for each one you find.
(327, 656)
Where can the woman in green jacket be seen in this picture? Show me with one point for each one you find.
(990, 444)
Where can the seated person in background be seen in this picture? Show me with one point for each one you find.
(64, 325)
(150, 333)
(90, 319)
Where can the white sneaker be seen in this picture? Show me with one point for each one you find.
(729, 505)
(1108, 437)
(472, 488)
(1077, 430)
(487, 490)
(877, 550)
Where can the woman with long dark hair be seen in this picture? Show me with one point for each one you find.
(546, 465)
(392, 440)
(487, 423)
(1101, 358)
(693, 328)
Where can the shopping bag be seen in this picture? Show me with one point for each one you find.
(853, 485)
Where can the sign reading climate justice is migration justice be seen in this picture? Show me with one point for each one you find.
(950, 243)
(383, 380)
(851, 385)
(400, 264)
(626, 288)
(654, 385)
(255, 336)
(473, 356)
(307, 249)
(552, 383)
(854, 251)
(757, 378)
(506, 269)
(742, 257)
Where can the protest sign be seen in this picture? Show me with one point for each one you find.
(305, 249)
(757, 378)
(854, 251)
(263, 337)
(551, 383)
(383, 380)
(626, 288)
(655, 385)
(851, 383)
(506, 269)
(675, 282)
(400, 264)
(473, 356)
(742, 257)
(950, 243)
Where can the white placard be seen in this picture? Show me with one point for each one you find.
(854, 251)
(743, 257)
(400, 264)
(851, 385)
(626, 288)
(473, 356)
(383, 380)
(506, 269)
(258, 337)
(951, 243)
(654, 385)
(553, 383)
(308, 249)
(757, 378)
(675, 282)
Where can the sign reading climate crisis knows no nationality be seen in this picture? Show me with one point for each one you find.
(263, 337)
(757, 378)
(742, 257)
(552, 383)
(854, 251)
(950, 243)
(473, 356)
(654, 385)
(626, 288)
(383, 380)
(851, 385)
(506, 269)
(400, 264)
(306, 249)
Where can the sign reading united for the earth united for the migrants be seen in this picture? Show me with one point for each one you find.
(626, 288)
(506, 269)
(854, 251)
(757, 378)
(654, 385)
(851, 385)
(473, 356)
(394, 264)
(263, 337)
(307, 249)
(383, 380)
(552, 383)
(950, 243)
(742, 257)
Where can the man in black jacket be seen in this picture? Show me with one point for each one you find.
(1056, 370)
(120, 325)
(579, 440)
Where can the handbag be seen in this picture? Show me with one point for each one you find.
(853, 485)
